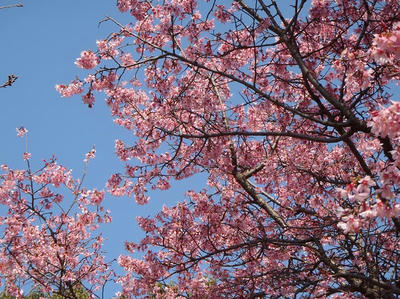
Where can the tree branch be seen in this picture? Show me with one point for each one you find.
(12, 5)
(10, 81)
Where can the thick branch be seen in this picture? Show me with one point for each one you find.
(265, 134)
(242, 180)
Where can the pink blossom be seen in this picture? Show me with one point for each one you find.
(90, 155)
(386, 46)
(222, 14)
(96, 197)
(146, 224)
(349, 224)
(126, 59)
(26, 156)
(386, 122)
(21, 131)
(107, 48)
(124, 5)
(88, 99)
(75, 87)
(88, 60)
(369, 213)
(383, 210)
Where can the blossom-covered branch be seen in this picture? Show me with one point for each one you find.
(286, 110)
(48, 240)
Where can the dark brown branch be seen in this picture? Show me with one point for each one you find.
(265, 134)
(10, 81)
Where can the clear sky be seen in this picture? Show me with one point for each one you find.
(39, 43)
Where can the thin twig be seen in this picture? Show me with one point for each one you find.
(12, 5)
(11, 79)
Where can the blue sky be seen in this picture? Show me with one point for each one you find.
(39, 44)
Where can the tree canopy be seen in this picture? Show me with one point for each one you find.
(285, 110)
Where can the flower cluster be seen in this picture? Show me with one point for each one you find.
(75, 87)
(47, 238)
(386, 46)
(21, 131)
(88, 60)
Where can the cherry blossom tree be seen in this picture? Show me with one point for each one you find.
(48, 239)
(287, 112)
